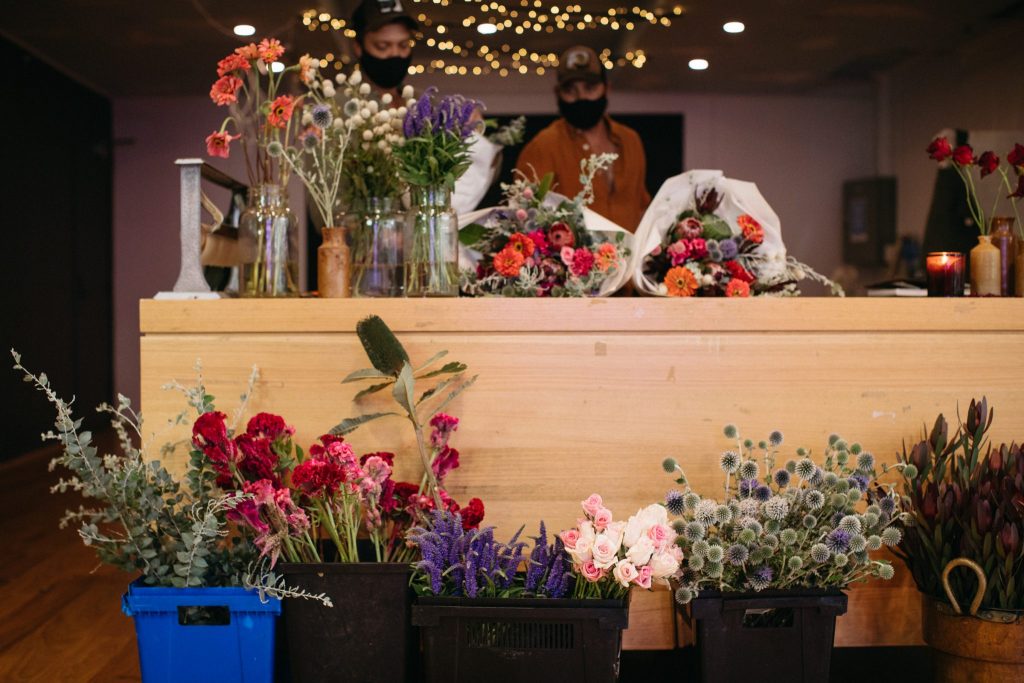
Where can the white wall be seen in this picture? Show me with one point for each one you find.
(798, 150)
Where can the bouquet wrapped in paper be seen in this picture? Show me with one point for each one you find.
(708, 235)
(544, 244)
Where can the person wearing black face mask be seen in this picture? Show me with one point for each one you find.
(585, 129)
(383, 43)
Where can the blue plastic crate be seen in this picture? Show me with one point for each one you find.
(202, 634)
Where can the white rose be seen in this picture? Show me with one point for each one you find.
(583, 552)
(625, 573)
(640, 553)
(605, 551)
(664, 565)
(587, 532)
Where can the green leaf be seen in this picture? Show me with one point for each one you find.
(451, 368)
(433, 390)
(404, 387)
(365, 373)
(471, 234)
(349, 425)
(716, 229)
(544, 186)
(448, 399)
(433, 359)
(372, 389)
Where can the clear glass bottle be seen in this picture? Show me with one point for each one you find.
(269, 236)
(431, 244)
(376, 226)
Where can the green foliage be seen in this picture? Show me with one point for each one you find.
(433, 160)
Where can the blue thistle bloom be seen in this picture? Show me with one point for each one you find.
(775, 438)
(728, 249)
(782, 478)
(838, 541)
(764, 573)
(887, 505)
(859, 481)
(762, 493)
(322, 116)
(674, 503)
(737, 554)
(747, 487)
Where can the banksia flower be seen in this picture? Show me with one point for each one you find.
(384, 350)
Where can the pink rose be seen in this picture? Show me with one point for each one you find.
(605, 551)
(569, 538)
(625, 573)
(679, 252)
(660, 535)
(590, 571)
(592, 504)
(643, 578)
(602, 518)
(566, 254)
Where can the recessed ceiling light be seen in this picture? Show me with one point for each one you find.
(244, 30)
(733, 27)
(278, 67)
(699, 64)
(487, 29)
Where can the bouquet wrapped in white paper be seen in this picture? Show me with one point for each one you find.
(708, 235)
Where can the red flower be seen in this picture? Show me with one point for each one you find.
(988, 162)
(940, 149)
(582, 262)
(540, 240)
(1016, 157)
(1019, 192)
(233, 62)
(963, 155)
(560, 235)
(318, 478)
(270, 50)
(689, 228)
(679, 252)
(508, 261)
(317, 450)
(268, 425)
(738, 272)
(737, 288)
(258, 460)
(225, 90)
(389, 458)
(698, 248)
(217, 144)
(521, 243)
(248, 512)
(249, 52)
(281, 111)
(472, 514)
(446, 461)
(752, 230)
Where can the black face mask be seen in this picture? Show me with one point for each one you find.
(385, 73)
(583, 114)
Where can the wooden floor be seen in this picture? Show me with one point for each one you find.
(60, 613)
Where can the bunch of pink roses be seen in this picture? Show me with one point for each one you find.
(609, 557)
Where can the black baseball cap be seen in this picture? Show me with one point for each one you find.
(580, 63)
(371, 15)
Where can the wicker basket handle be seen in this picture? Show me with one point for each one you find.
(978, 595)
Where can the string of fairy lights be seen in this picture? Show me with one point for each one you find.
(498, 24)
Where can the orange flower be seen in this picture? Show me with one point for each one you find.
(233, 62)
(607, 256)
(737, 288)
(270, 50)
(680, 282)
(752, 230)
(307, 68)
(225, 90)
(522, 244)
(508, 261)
(249, 52)
(217, 143)
(281, 111)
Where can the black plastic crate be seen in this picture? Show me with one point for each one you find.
(741, 636)
(517, 641)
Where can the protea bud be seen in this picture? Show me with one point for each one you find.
(930, 502)
(995, 458)
(982, 515)
(977, 415)
(939, 436)
(919, 456)
(1010, 538)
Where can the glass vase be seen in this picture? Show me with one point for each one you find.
(334, 265)
(1001, 233)
(430, 244)
(377, 247)
(985, 268)
(1019, 268)
(269, 236)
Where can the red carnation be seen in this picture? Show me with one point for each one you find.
(446, 461)
(209, 428)
(940, 149)
(988, 162)
(318, 450)
(963, 155)
(318, 478)
(389, 458)
(582, 262)
(258, 460)
(1016, 157)
(268, 425)
(472, 514)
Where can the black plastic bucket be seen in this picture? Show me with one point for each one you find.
(367, 635)
(789, 634)
(520, 640)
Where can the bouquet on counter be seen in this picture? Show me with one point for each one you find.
(794, 526)
(371, 167)
(610, 557)
(539, 243)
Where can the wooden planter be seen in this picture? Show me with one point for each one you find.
(970, 649)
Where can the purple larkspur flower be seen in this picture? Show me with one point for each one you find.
(838, 541)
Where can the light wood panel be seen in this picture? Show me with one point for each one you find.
(557, 415)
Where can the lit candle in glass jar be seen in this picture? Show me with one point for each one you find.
(945, 273)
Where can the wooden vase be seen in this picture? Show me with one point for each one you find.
(969, 649)
(1001, 232)
(334, 265)
(985, 268)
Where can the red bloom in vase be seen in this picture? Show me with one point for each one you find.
(940, 149)
(281, 111)
(963, 155)
(1016, 157)
(446, 461)
(270, 50)
(988, 162)
(233, 62)
(389, 458)
(560, 235)
(217, 143)
(472, 514)
(269, 425)
(258, 460)
(318, 450)
(540, 241)
(318, 478)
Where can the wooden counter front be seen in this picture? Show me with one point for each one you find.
(583, 396)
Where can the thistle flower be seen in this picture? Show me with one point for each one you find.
(699, 548)
(850, 524)
(805, 469)
(788, 536)
(715, 553)
(775, 438)
(723, 515)
(690, 500)
(820, 553)
(887, 504)
(831, 479)
(815, 500)
(674, 503)
(322, 116)
(748, 507)
(795, 563)
(833, 439)
(748, 444)
(762, 493)
(838, 541)
(810, 521)
(838, 500)
(749, 470)
(791, 466)
(858, 543)
(772, 526)
(892, 536)
(874, 542)
(730, 431)
(841, 559)
(669, 465)
(865, 461)
(695, 562)
(885, 571)
(761, 578)
(694, 531)
(678, 526)
(842, 457)
(910, 472)
(840, 445)
(275, 149)
(684, 595)
(351, 108)
(705, 512)
(747, 536)
(752, 524)
(776, 508)
(729, 461)
(817, 477)
(870, 519)
(713, 569)
(859, 481)
(737, 554)
(782, 478)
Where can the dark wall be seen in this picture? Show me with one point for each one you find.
(56, 221)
